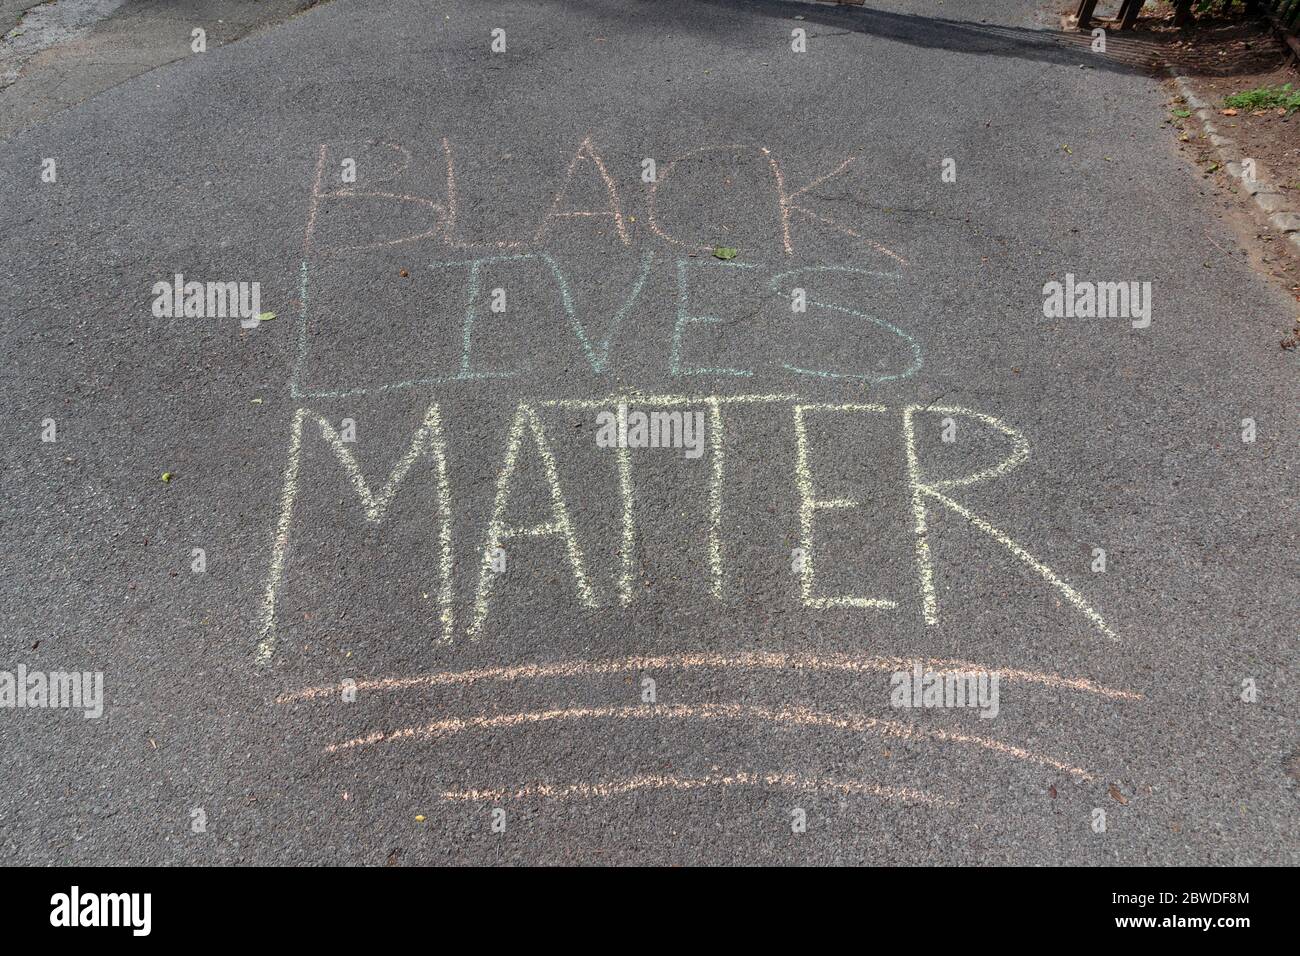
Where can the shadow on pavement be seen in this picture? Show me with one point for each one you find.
(1064, 48)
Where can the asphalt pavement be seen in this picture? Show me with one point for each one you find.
(439, 620)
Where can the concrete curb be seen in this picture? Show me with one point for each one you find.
(1281, 209)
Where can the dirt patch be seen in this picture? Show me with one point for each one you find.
(1211, 47)
(1219, 58)
(1270, 136)
(1268, 251)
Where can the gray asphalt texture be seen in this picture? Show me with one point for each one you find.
(205, 167)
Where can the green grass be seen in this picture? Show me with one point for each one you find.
(1266, 98)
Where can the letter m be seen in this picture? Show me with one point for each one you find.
(116, 909)
(222, 299)
(65, 689)
(428, 439)
(1115, 297)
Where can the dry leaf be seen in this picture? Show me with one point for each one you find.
(1115, 794)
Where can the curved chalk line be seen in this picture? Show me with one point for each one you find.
(794, 716)
(765, 660)
(781, 781)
